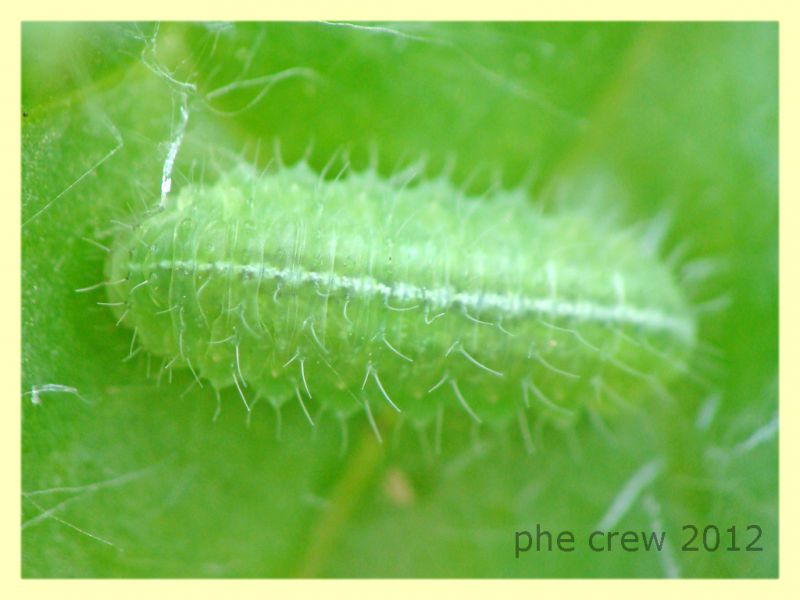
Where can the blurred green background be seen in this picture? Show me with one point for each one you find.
(134, 479)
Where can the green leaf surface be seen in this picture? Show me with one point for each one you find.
(131, 476)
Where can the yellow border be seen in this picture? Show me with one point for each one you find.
(414, 9)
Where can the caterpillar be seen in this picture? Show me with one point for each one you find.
(362, 293)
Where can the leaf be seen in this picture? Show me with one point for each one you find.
(130, 475)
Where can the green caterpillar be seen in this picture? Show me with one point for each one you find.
(368, 294)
